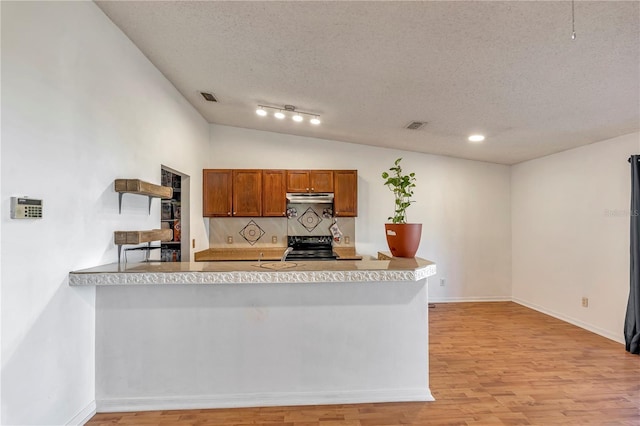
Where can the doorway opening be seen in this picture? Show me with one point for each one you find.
(174, 215)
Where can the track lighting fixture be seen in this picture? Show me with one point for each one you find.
(288, 110)
(573, 21)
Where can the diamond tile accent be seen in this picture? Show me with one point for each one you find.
(252, 232)
(310, 219)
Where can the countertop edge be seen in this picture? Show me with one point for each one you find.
(250, 277)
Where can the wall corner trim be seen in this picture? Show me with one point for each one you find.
(84, 415)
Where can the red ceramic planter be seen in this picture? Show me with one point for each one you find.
(403, 238)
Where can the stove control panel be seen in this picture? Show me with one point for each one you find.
(309, 239)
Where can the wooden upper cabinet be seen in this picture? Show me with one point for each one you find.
(297, 180)
(321, 180)
(216, 192)
(247, 192)
(274, 197)
(255, 193)
(309, 180)
(345, 202)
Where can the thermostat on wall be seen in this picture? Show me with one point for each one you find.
(26, 208)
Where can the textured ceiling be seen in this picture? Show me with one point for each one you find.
(506, 69)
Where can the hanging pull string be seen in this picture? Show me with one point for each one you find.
(573, 21)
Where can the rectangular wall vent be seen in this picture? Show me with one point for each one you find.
(415, 125)
(209, 97)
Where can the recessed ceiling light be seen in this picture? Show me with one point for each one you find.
(297, 118)
(261, 112)
(315, 120)
(476, 138)
(279, 115)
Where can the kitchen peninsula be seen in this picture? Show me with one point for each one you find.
(231, 334)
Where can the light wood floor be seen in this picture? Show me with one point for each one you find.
(490, 363)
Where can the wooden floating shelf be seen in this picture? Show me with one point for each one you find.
(138, 237)
(140, 187)
(137, 186)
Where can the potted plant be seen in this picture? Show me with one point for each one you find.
(403, 238)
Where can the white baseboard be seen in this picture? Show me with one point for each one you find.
(261, 400)
(84, 415)
(570, 320)
(470, 299)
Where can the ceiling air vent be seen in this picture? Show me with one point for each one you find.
(209, 97)
(415, 125)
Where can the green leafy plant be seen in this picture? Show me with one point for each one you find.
(402, 188)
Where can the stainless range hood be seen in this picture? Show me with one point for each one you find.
(310, 198)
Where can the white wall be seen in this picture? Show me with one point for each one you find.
(81, 106)
(248, 345)
(570, 215)
(464, 205)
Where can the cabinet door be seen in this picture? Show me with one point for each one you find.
(274, 197)
(298, 181)
(247, 192)
(216, 192)
(321, 181)
(345, 203)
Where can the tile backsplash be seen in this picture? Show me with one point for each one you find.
(267, 232)
(347, 226)
(247, 232)
(309, 219)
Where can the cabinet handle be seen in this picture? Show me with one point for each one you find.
(313, 189)
(228, 213)
(307, 189)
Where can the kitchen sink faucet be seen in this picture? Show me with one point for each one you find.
(286, 253)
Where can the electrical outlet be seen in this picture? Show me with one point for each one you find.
(443, 281)
(347, 240)
(585, 302)
(229, 239)
(274, 240)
